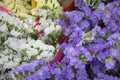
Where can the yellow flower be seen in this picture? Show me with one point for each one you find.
(21, 8)
(51, 6)
(40, 3)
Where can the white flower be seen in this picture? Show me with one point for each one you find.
(46, 56)
(49, 30)
(15, 33)
(31, 52)
(30, 21)
(58, 27)
(3, 28)
(20, 24)
(31, 47)
(21, 46)
(9, 64)
(17, 59)
(4, 59)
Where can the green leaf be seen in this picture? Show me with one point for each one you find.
(108, 34)
(37, 68)
(92, 3)
(60, 1)
(53, 77)
(83, 58)
(117, 46)
(60, 66)
(87, 36)
(108, 59)
(19, 77)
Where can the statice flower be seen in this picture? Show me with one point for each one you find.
(111, 15)
(52, 8)
(93, 48)
(12, 20)
(106, 77)
(100, 42)
(20, 39)
(24, 40)
(73, 16)
(44, 23)
(59, 71)
(21, 8)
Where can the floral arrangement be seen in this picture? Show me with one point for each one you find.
(91, 50)
(23, 9)
(20, 43)
(52, 7)
(24, 40)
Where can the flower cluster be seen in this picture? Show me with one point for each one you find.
(94, 38)
(52, 7)
(92, 51)
(21, 8)
(22, 41)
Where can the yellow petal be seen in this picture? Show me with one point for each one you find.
(33, 2)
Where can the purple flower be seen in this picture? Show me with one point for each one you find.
(17, 70)
(58, 73)
(98, 13)
(45, 72)
(110, 6)
(69, 50)
(111, 64)
(67, 31)
(114, 36)
(107, 14)
(67, 72)
(102, 76)
(100, 40)
(28, 67)
(73, 16)
(115, 53)
(97, 29)
(95, 53)
(62, 24)
(84, 24)
(65, 60)
(87, 10)
(79, 4)
(101, 6)
(31, 77)
(110, 43)
(82, 74)
(97, 66)
(86, 53)
(94, 19)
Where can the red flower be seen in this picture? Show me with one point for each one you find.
(42, 32)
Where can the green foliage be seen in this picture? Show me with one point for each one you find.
(83, 58)
(108, 59)
(92, 3)
(88, 36)
(54, 38)
(117, 46)
(60, 1)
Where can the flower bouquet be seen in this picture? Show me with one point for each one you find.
(21, 8)
(92, 51)
(25, 40)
